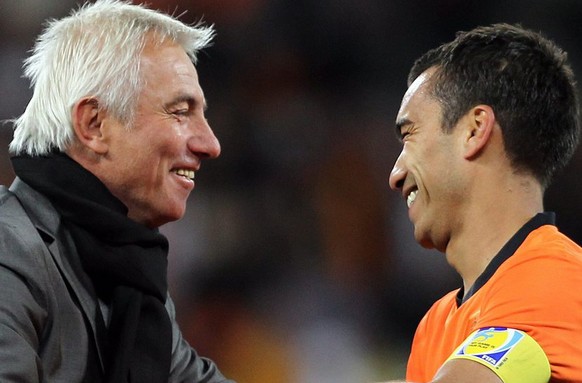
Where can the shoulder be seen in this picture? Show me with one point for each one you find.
(548, 242)
(537, 291)
(24, 255)
(16, 228)
(5, 194)
(546, 269)
(547, 260)
(10, 207)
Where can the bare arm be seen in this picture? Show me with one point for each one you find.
(462, 371)
(465, 371)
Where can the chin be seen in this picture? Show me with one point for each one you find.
(427, 244)
(161, 220)
(174, 215)
(423, 239)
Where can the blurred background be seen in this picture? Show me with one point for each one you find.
(295, 262)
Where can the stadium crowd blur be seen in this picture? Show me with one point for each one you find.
(294, 263)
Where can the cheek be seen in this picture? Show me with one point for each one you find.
(167, 138)
(137, 168)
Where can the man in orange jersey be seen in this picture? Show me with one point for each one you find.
(486, 121)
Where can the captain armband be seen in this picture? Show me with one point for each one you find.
(511, 354)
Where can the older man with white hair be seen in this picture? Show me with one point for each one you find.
(104, 154)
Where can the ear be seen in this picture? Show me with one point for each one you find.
(481, 121)
(88, 124)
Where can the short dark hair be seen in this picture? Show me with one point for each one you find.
(527, 81)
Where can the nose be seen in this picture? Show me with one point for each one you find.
(204, 143)
(398, 173)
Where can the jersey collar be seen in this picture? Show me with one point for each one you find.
(540, 219)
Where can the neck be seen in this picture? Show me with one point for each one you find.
(495, 215)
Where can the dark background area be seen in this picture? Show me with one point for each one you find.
(295, 262)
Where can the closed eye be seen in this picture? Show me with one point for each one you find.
(182, 112)
(403, 126)
(180, 106)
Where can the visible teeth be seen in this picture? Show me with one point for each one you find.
(185, 173)
(411, 197)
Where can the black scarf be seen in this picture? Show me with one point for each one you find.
(126, 261)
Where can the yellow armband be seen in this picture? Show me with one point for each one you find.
(511, 354)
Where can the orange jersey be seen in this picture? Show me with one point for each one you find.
(534, 284)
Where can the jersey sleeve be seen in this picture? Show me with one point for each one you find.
(538, 292)
(511, 354)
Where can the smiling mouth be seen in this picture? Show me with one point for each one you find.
(189, 174)
(411, 198)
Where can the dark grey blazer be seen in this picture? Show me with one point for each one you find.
(50, 326)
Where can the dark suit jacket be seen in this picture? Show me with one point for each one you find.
(50, 324)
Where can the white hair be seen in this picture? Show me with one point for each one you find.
(94, 52)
